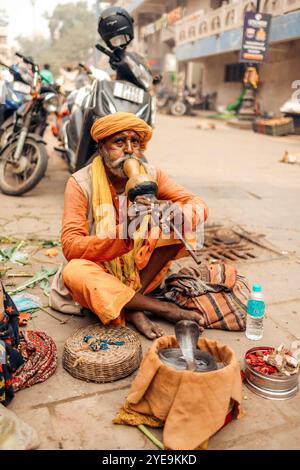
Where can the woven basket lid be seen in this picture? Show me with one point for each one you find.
(103, 365)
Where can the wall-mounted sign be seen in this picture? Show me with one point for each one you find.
(255, 37)
(167, 19)
(170, 62)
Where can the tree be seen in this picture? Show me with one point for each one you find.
(73, 33)
(28, 48)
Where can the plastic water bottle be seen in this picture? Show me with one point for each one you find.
(255, 313)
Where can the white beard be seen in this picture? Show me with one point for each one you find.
(116, 167)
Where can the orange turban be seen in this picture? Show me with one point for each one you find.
(118, 122)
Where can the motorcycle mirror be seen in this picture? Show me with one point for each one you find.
(157, 79)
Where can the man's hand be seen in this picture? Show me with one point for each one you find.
(162, 211)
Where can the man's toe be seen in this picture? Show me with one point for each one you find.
(157, 330)
(150, 334)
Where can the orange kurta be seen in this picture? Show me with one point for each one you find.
(85, 276)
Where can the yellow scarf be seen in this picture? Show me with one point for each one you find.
(124, 267)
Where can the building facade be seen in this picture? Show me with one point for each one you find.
(205, 36)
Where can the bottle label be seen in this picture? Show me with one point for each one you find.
(256, 308)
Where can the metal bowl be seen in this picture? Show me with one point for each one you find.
(173, 357)
(273, 387)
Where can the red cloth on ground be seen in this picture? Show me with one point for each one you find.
(40, 354)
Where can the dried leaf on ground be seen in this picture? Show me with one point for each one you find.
(45, 286)
(12, 253)
(51, 252)
(44, 273)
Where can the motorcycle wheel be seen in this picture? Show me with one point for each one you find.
(178, 108)
(16, 180)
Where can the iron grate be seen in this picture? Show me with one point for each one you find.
(234, 244)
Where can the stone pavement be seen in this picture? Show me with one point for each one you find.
(239, 175)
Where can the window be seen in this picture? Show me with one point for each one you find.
(234, 72)
(182, 35)
(203, 27)
(192, 32)
(215, 4)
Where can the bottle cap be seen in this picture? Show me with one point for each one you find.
(256, 288)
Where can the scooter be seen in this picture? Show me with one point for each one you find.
(130, 92)
(69, 118)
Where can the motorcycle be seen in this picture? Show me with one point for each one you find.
(13, 94)
(24, 159)
(184, 105)
(130, 92)
(176, 104)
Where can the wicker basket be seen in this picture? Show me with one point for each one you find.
(283, 126)
(103, 365)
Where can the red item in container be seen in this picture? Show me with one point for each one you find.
(256, 360)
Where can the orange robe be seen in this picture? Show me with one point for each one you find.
(85, 276)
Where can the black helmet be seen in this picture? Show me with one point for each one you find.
(115, 27)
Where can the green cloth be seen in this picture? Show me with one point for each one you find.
(234, 106)
(47, 77)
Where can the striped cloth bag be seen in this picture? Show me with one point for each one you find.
(216, 291)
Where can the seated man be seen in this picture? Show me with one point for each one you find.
(108, 271)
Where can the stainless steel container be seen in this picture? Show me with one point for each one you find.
(273, 387)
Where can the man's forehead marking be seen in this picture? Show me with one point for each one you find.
(125, 133)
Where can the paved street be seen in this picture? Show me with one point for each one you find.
(238, 174)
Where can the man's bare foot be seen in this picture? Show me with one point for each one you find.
(145, 326)
(173, 313)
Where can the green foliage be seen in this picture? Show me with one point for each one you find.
(39, 277)
(28, 46)
(73, 32)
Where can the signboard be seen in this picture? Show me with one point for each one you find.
(255, 37)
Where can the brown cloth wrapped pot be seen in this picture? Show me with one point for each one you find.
(192, 405)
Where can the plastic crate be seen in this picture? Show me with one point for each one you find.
(284, 126)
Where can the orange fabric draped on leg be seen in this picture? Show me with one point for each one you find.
(94, 288)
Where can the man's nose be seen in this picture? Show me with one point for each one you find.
(129, 148)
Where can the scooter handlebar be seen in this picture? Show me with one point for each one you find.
(104, 50)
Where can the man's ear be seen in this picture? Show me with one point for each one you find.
(99, 146)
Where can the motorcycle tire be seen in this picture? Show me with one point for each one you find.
(37, 174)
(178, 108)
